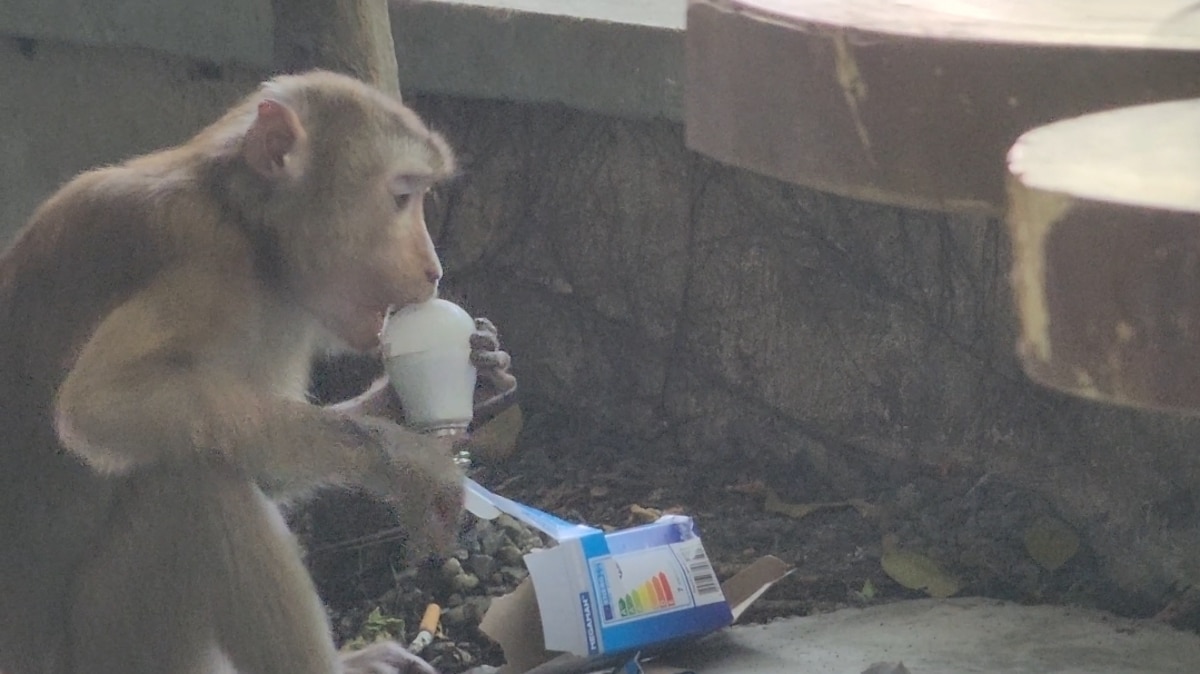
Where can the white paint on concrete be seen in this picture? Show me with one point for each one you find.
(653, 13)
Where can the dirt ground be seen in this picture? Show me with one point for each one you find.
(974, 528)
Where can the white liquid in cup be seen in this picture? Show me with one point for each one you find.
(428, 360)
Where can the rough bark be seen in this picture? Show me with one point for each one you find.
(349, 36)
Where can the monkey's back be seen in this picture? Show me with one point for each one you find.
(85, 251)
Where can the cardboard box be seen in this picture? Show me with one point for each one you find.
(604, 598)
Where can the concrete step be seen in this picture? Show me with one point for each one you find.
(955, 636)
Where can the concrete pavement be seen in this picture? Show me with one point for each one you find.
(955, 636)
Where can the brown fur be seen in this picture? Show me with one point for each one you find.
(157, 323)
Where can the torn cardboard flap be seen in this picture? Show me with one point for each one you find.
(598, 599)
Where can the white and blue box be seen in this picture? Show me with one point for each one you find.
(602, 594)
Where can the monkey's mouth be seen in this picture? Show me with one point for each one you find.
(358, 325)
(379, 321)
(375, 320)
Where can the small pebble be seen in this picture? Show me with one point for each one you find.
(515, 574)
(464, 582)
(510, 524)
(510, 554)
(455, 616)
(477, 607)
(482, 565)
(451, 568)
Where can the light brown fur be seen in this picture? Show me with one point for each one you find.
(157, 323)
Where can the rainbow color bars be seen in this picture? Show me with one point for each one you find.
(650, 596)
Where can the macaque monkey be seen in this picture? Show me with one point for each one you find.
(158, 320)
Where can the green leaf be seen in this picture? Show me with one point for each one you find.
(1051, 543)
(918, 572)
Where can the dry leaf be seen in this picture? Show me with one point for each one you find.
(917, 572)
(497, 439)
(1050, 542)
(774, 504)
(868, 590)
(752, 488)
(865, 510)
(644, 515)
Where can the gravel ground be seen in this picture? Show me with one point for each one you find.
(974, 527)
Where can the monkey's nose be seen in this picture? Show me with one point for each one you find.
(434, 275)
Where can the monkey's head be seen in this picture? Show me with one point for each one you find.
(347, 169)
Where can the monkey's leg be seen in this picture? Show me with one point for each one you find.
(199, 572)
(271, 620)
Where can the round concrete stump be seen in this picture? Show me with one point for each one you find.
(914, 102)
(1105, 220)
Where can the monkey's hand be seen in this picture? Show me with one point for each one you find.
(497, 387)
(420, 481)
(385, 657)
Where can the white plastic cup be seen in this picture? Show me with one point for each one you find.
(427, 354)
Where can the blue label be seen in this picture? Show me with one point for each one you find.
(602, 589)
(665, 627)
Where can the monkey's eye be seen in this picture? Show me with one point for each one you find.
(405, 188)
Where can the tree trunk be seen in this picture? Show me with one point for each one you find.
(348, 36)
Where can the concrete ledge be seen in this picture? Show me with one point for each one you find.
(970, 634)
(220, 31)
(616, 57)
(119, 102)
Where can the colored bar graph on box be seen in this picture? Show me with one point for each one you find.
(652, 595)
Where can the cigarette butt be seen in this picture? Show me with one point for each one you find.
(429, 625)
(422, 642)
(429, 621)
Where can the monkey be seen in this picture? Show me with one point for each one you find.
(158, 323)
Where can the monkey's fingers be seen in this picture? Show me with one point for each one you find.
(491, 360)
(488, 408)
(484, 341)
(500, 381)
(385, 657)
(494, 376)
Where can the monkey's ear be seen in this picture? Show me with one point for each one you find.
(272, 140)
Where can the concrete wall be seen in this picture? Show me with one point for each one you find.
(68, 107)
(220, 31)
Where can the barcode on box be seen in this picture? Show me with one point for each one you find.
(701, 571)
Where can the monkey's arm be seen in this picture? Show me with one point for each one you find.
(379, 400)
(167, 376)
